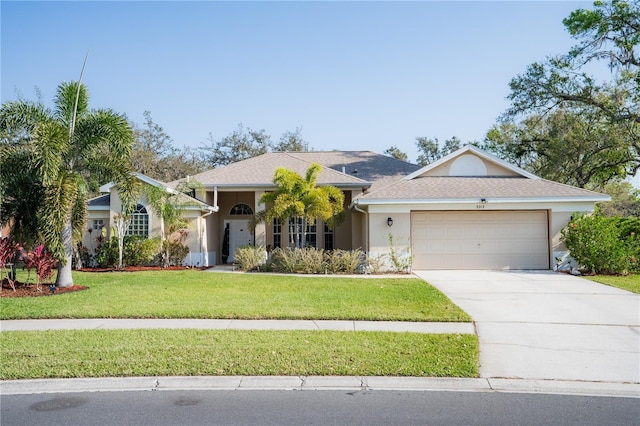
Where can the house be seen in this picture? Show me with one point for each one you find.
(145, 222)
(468, 210)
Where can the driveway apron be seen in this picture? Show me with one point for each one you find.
(547, 325)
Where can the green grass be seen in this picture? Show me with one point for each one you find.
(198, 294)
(629, 282)
(118, 353)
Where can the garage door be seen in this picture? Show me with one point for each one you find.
(480, 240)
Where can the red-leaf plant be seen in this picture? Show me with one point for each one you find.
(8, 252)
(45, 264)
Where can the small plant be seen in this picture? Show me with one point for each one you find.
(9, 251)
(401, 260)
(45, 264)
(377, 264)
(248, 257)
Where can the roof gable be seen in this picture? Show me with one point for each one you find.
(470, 161)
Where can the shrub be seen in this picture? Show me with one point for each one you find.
(139, 251)
(343, 261)
(602, 245)
(177, 252)
(297, 260)
(248, 257)
(107, 254)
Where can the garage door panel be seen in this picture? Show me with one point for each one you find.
(480, 240)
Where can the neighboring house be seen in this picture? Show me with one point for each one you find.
(144, 221)
(469, 210)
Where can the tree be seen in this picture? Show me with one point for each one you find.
(625, 200)
(300, 201)
(154, 154)
(291, 142)
(579, 148)
(168, 205)
(609, 32)
(62, 148)
(395, 152)
(431, 151)
(239, 145)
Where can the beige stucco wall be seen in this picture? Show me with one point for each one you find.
(380, 231)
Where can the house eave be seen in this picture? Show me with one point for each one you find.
(477, 200)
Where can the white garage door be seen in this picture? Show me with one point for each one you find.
(480, 240)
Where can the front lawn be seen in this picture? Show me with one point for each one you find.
(118, 353)
(198, 294)
(629, 282)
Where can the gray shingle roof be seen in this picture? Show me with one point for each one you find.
(443, 188)
(259, 170)
(102, 201)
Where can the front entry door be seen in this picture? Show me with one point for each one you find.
(239, 235)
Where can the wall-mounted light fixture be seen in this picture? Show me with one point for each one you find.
(483, 200)
(389, 221)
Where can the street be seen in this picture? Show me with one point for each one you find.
(324, 407)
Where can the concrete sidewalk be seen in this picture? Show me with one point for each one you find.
(232, 324)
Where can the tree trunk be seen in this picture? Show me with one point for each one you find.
(64, 278)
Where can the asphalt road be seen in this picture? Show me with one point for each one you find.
(246, 407)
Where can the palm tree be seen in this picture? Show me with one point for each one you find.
(62, 150)
(301, 200)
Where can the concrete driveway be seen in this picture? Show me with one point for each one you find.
(547, 325)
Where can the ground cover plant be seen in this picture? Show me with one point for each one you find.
(628, 282)
(116, 353)
(199, 294)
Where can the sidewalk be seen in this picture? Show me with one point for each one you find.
(232, 324)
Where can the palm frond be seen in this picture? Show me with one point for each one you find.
(51, 143)
(60, 196)
(65, 101)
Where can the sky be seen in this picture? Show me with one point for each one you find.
(352, 75)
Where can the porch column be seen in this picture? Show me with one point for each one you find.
(260, 236)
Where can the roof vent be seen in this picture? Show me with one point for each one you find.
(355, 171)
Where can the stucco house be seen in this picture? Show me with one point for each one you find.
(468, 210)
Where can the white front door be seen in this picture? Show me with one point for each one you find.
(239, 235)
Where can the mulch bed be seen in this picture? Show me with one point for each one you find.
(141, 268)
(30, 290)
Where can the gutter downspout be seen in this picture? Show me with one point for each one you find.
(354, 206)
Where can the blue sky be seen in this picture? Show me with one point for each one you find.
(353, 75)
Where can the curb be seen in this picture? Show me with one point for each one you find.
(318, 383)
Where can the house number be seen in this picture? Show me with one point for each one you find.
(479, 206)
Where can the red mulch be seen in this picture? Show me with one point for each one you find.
(140, 268)
(29, 290)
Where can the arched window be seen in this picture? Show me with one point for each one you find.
(139, 224)
(240, 209)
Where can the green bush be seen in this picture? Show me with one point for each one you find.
(107, 254)
(177, 252)
(343, 261)
(297, 260)
(603, 245)
(249, 258)
(140, 251)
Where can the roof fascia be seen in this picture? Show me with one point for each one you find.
(365, 201)
(263, 186)
(483, 154)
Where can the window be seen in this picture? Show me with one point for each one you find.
(328, 237)
(295, 231)
(139, 222)
(240, 209)
(277, 233)
(98, 224)
(311, 237)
